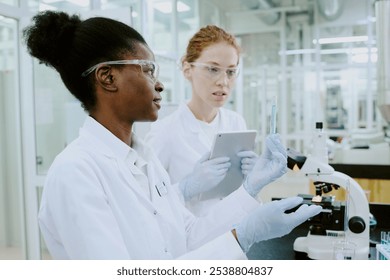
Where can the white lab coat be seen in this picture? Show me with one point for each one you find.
(179, 142)
(95, 206)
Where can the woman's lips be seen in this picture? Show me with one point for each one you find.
(219, 93)
(157, 102)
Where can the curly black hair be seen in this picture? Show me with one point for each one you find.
(71, 45)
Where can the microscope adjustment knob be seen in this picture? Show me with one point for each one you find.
(317, 230)
(356, 224)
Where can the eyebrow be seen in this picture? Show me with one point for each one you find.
(217, 64)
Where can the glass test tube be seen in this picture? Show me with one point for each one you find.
(385, 242)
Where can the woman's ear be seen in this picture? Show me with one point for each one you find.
(106, 79)
(186, 68)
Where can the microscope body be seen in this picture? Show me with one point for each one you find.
(347, 220)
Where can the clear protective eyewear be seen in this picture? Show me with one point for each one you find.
(215, 72)
(147, 66)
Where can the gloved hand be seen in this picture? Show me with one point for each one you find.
(269, 220)
(271, 165)
(207, 174)
(248, 161)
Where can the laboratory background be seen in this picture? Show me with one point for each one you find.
(325, 61)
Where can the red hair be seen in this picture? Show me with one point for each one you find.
(205, 37)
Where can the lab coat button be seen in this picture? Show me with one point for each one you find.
(165, 250)
(155, 212)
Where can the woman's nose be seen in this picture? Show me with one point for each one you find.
(223, 79)
(159, 86)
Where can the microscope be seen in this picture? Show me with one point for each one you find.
(339, 220)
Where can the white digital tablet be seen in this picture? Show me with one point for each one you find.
(229, 144)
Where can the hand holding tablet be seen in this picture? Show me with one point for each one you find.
(228, 144)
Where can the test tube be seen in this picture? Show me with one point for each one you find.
(385, 242)
(388, 242)
(385, 237)
(273, 116)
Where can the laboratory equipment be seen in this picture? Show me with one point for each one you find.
(383, 249)
(344, 250)
(319, 149)
(339, 220)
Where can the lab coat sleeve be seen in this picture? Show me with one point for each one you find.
(81, 217)
(224, 247)
(221, 218)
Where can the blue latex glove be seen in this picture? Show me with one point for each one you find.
(271, 165)
(248, 161)
(270, 221)
(207, 174)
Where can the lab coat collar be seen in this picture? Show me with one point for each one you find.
(223, 118)
(193, 124)
(108, 144)
(190, 120)
(139, 151)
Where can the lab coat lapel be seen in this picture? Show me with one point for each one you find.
(166, 204)
(158, 187)
(198, 140)
(135, 186)
(193, 131)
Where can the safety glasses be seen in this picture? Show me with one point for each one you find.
(147, 66)
(214, 72)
